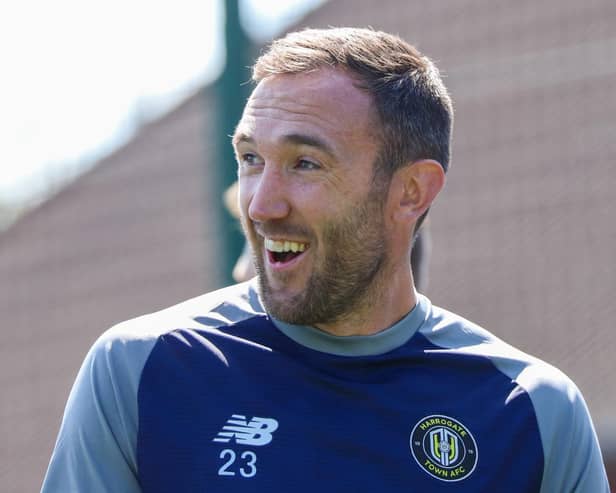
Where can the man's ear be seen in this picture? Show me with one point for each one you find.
(415, 186)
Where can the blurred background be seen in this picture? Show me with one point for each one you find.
(115, 155)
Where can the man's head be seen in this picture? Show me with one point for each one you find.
(341, 148)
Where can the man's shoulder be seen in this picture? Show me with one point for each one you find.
(570, 447)
(550, 390)
(456, 333)
(214, 309)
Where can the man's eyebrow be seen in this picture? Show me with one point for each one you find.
(310, 141)
(294, 139)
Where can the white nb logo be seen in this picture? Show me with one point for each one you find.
(257, 431)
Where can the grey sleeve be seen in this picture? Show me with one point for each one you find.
(573, 461)
(96, 446)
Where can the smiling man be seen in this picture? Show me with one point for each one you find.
(329, 371)
(312, 210)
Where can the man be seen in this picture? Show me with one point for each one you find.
(330, 371)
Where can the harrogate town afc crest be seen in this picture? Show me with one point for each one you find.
(444, 448)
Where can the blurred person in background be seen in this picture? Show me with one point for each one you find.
(328, 370)
(244, 269)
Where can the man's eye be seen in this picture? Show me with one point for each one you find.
(307, 164)
(250, 159)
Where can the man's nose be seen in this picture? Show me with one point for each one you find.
(269, 200)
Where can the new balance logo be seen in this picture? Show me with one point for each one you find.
(257, 431)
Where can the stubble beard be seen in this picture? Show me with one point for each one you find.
(347, 277)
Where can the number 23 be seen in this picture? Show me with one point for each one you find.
(248, 469)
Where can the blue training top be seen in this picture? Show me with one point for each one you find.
(213, 395)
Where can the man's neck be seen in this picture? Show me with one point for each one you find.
(380, 308)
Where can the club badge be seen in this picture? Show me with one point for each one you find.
(444, 448)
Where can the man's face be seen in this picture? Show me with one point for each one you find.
(314, 220)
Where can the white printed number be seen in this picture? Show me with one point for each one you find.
(246, 464)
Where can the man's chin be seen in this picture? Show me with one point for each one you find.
(283, 307)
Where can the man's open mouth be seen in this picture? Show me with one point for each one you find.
(283, 251)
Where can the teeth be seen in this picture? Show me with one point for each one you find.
(284, 246)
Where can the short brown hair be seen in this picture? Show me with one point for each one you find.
(414, 109)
